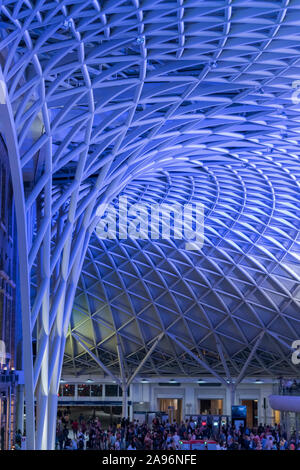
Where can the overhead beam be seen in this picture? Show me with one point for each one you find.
(96, 359)
(245, 366)
(274, 335)
(124, 385)
(121, 361)
(145, 359)
(220, 350)
(197, 359)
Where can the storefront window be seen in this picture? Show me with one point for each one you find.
(111, 390)
(68, 390)
(83, 390)
(96, 390)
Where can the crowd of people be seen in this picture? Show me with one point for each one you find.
(88, 433)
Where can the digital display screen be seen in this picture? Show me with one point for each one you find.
(239, 411)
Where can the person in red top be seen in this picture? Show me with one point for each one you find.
(75, 427)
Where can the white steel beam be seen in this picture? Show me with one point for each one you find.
(10, 137)
(145, 359)
(242, 374)
(197, 359)
(97, 360)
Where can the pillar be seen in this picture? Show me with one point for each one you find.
(124, 402)
(232, 395)
(20, 408)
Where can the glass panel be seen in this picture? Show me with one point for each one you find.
(96, 390)
(83, 390)
(111, 390)
(68, 390)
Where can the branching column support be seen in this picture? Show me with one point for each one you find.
(124, 400)
(243, 372)
(8, 131)
(232, 388)
(197, 359)
(234, 384)
(122, 381)
(123, 378)
(71, 265)
(96, 359)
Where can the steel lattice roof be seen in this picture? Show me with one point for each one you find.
(182, 100)
(240, 285)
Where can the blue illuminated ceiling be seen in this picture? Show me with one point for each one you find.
(167, 100)
(243, 285)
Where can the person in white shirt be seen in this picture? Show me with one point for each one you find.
(269, 443)
(192, 425)
(176, 439)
